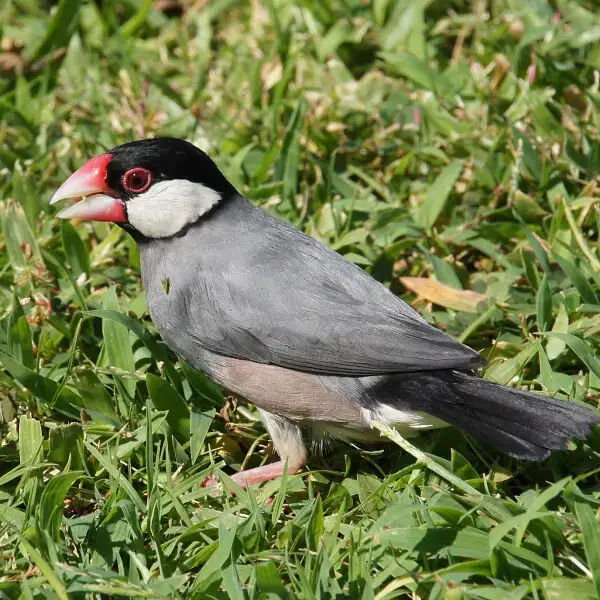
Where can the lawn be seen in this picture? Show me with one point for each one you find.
(450, 148)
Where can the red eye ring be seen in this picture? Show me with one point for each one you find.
(137, 180)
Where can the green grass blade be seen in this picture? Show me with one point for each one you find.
(75, 251)
(61, 28)
(544, 305)
(19, 340)
(52, 500)
(47, 571)
(165, 398)
(590, 530)
(437, 196)
(580, 348)
(116, 341)
(120, 479)
(200, 423)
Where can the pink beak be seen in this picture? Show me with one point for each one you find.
(89, 183)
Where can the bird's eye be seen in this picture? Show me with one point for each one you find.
(137, 180)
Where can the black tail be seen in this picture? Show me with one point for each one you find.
(521, 424)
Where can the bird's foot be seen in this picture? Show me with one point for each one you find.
(257, 475)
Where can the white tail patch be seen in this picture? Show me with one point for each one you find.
(169, 206)
(405, 419)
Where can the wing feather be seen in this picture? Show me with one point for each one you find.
(263, 291)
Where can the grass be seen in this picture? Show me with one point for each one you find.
(449, 148)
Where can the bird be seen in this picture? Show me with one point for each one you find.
(271, 314)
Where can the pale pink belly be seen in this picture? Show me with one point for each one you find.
(298, 396)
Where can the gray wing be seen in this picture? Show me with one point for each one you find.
(263, 291)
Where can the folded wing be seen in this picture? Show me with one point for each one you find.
(277, 296)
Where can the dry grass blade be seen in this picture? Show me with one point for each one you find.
(445, 295)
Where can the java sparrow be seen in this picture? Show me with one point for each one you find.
(277, 317)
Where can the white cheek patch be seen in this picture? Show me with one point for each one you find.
(168, 206)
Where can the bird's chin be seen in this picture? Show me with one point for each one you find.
(97, 207)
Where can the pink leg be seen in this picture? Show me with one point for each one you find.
(258, 474)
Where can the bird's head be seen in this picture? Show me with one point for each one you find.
(154, 188)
